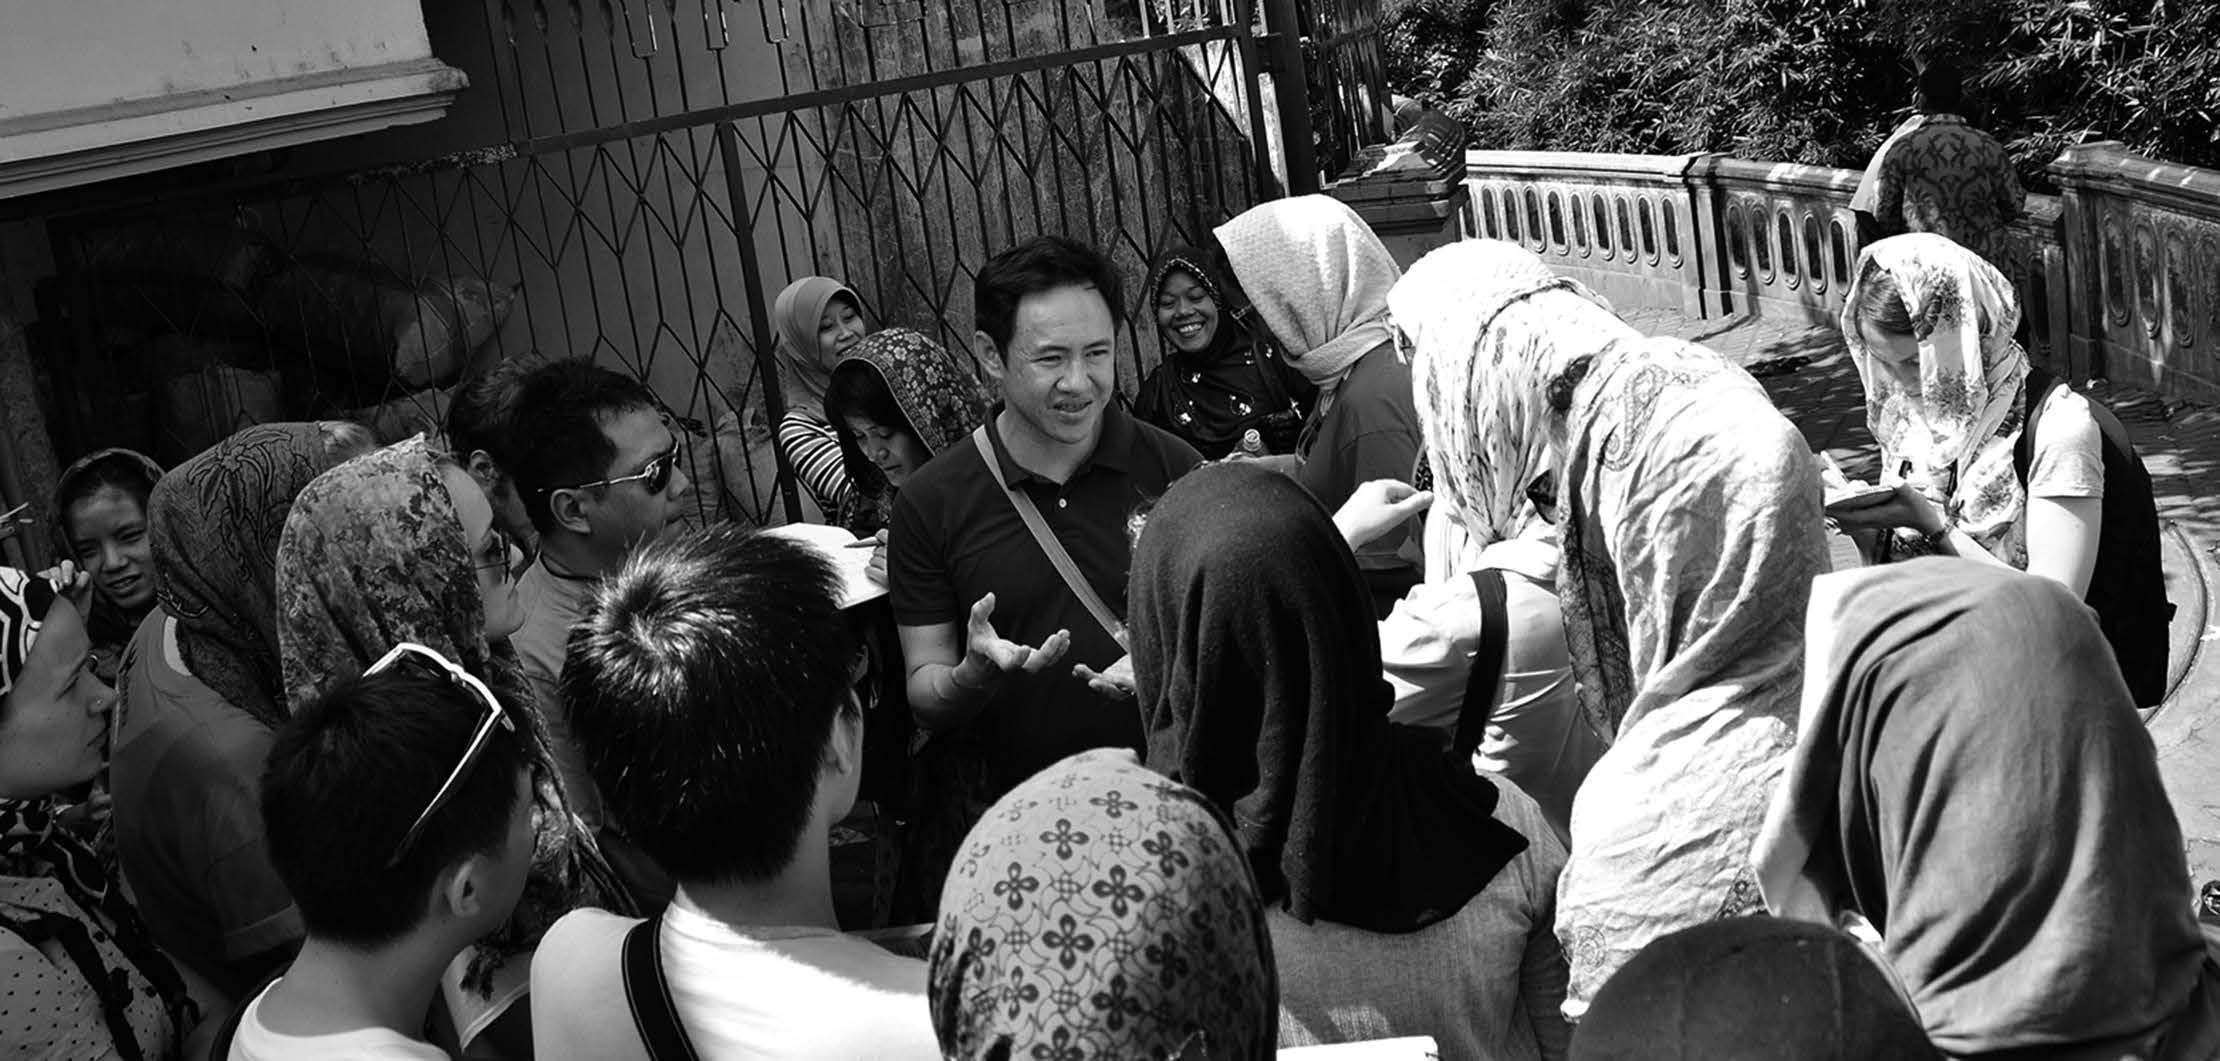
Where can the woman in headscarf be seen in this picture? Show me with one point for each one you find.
(100, 520)
(1220, 377)
(1319, 280)
(1101, 911)
(1687, 509)
(399, 546)
(1258, 670)
(83, 977)
(818, 320)
(1948, 395)
(897, 399)
(1971, 778)
(202, 693)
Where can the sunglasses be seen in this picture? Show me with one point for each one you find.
(496, 716)
(654, 476)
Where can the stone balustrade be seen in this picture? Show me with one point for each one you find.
(2119, 276)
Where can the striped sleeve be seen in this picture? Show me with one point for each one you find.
(810, 449)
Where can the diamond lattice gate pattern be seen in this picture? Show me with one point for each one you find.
(634, 180)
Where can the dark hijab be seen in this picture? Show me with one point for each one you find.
(1972, 777)
(216, 522)
(1258, 665)
(135, 474)
(1240, 382)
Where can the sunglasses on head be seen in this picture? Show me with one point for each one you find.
(495, 716)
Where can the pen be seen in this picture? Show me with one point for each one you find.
(862, 543)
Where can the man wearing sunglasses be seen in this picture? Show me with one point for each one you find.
(597, 468)
(398, 808)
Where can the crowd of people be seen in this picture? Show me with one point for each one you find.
(1190, 729)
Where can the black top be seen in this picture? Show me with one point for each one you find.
(955, 537)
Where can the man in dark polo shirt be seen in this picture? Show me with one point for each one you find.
(991, 634)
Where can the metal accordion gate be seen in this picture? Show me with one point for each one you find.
(633, 181)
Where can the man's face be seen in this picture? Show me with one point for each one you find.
(626, 514)
(1058, 372)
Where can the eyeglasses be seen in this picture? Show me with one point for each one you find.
(496, 716)
(654, 476)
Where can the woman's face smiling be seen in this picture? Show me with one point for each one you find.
(1185, 312)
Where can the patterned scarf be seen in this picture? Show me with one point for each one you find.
(1102, 911)
(216, 523)
(24, 601)
(939, 400)
(797, 312)
(1953, 438)
(1490, 325)
(373, 554)
(1319, 279)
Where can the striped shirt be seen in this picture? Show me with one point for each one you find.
(808, 446)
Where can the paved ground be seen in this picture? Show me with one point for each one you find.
(1811, 378)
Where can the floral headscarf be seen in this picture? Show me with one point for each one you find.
(24, 601)
(1483, 395)
(796, 313)
(1954, 438)
(1102, 911)
(216, 521)
(939, 400)
(373, 555)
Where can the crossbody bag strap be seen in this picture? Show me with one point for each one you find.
(649, 994)
(1484, 687)
(1046, 538)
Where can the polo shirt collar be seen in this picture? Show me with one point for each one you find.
(1113, 449)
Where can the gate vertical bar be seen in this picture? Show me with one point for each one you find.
(759, 315)
(1283, 44)
(1252, 70)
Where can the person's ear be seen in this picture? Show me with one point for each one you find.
(569, 509)
(481, 467)
(988, 355)
(844, 752)
(463, 889)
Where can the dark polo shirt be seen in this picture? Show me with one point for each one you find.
(955, 538)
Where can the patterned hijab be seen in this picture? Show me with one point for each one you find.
(24, 601)
(373, 555)
(216, 523)
(1954, 438)
(1490, 325)
(1102, 911)
(797, 312)
(1318, 277)
(940, 401)
(1258, 667)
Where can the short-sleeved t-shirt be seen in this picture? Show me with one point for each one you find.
(1369, 432)
(955, 538)
(552, 605)
(763, 991)
(2067, 465)
(186, 774)
(254, 1041)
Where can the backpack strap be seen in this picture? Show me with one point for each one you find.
(1484, 686)
(648, 992)
(1046, 538)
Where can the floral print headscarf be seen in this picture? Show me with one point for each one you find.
(1953, 438)
(941, 401)
(373, 555)
(1103, 911)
